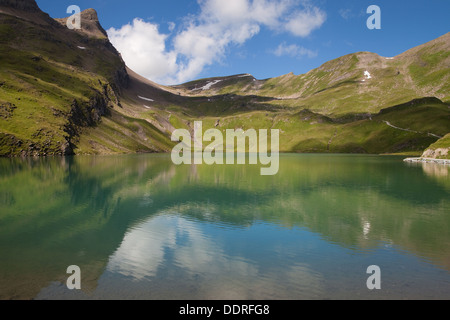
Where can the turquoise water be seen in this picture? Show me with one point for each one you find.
(141, 228)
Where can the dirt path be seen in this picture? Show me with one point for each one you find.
(331, 140)
(409, 130)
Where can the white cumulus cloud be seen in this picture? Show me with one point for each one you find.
(302, 23)
(143, 48)
(294, 51)
(204, 38)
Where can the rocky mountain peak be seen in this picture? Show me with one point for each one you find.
(90, 24)
(89, 15)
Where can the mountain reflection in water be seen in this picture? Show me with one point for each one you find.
(141, 228)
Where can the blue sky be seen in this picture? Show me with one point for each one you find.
(175, 41)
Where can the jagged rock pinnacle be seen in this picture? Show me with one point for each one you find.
(91, 25)
(89, 15)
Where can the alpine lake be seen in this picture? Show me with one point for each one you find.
(140, 227)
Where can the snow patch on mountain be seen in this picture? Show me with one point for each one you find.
(208, 85)
(147, 99)
(245, 76)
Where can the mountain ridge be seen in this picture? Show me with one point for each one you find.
(90, 24)
(352, 68)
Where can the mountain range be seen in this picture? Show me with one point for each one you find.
(65, 92)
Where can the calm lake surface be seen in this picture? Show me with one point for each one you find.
(140, 227)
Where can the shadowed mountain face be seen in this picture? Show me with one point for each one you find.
(68, 91)
(25, 5)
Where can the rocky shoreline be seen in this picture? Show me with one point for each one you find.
(428, 160)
